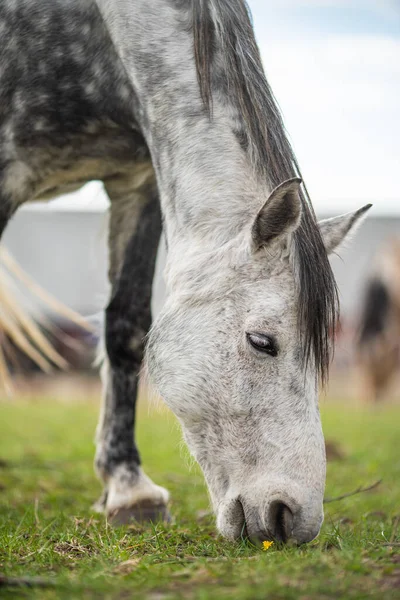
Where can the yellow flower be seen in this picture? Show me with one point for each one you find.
(267, 545)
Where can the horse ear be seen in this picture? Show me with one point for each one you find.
(334, 231)
(280, 214)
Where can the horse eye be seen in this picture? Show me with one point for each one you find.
(263, 343)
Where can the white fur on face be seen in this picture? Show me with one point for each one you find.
(250, 419)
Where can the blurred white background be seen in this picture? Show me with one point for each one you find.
(334, 66)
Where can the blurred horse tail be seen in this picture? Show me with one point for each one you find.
(20, 330)
(378, 345)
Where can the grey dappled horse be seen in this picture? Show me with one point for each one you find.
(166, 102)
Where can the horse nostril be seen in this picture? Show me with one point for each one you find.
(241, 515)
(281, 521)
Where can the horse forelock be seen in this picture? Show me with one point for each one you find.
(226, 25)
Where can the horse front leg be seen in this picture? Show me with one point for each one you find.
(129, 494)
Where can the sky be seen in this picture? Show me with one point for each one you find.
(334, 66)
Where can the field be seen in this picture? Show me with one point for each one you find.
(52, 541)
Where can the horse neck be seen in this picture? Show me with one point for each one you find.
(207, 186)
(208, 191)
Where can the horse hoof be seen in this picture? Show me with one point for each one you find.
(145, 511)
(100, 505)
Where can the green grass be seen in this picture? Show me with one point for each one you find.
(47, 529)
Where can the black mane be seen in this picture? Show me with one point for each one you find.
(226, 24)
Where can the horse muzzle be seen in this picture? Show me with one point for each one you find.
(280, 518)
